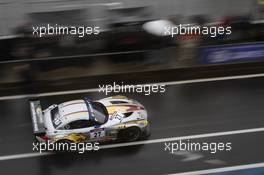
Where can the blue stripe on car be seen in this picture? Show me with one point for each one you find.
(89, 107)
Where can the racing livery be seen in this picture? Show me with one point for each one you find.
(115, 118)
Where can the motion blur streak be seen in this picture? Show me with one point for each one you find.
(160, 83)
(71, 57)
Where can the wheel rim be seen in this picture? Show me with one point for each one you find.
(132, 134)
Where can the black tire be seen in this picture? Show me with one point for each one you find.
(65, 142)
(130, 134)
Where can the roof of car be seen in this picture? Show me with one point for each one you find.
(73, 110)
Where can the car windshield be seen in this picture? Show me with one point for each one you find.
(100, 113)
(55, 117)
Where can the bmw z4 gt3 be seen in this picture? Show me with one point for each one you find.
(116, 118)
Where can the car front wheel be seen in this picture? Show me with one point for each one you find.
(130, 134)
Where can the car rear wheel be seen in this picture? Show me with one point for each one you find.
(62, 145)
(130, 134)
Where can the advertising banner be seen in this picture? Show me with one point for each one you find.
(232, 53)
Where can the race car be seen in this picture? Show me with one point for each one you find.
(115, 118)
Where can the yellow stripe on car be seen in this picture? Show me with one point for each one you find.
(119, 97)
(112, 109)
(76, 138)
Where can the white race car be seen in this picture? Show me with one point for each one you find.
(84, 120)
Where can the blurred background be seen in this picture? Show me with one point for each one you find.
(123, 45)
(125, 51)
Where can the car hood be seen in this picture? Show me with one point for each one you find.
(123, 110)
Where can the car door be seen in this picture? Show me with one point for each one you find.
(88, 128)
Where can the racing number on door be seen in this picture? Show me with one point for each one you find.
(97, 134)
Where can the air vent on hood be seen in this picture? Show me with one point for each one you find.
(127, 114)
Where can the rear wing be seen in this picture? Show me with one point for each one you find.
(37, 117)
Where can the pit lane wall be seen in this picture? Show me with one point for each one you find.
(187, 72)
(212, 61)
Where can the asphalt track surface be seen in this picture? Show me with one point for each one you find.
(183, 110)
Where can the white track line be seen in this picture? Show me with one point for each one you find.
(26, 155)
(225, 133)
(224, 169)
(160, 83)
